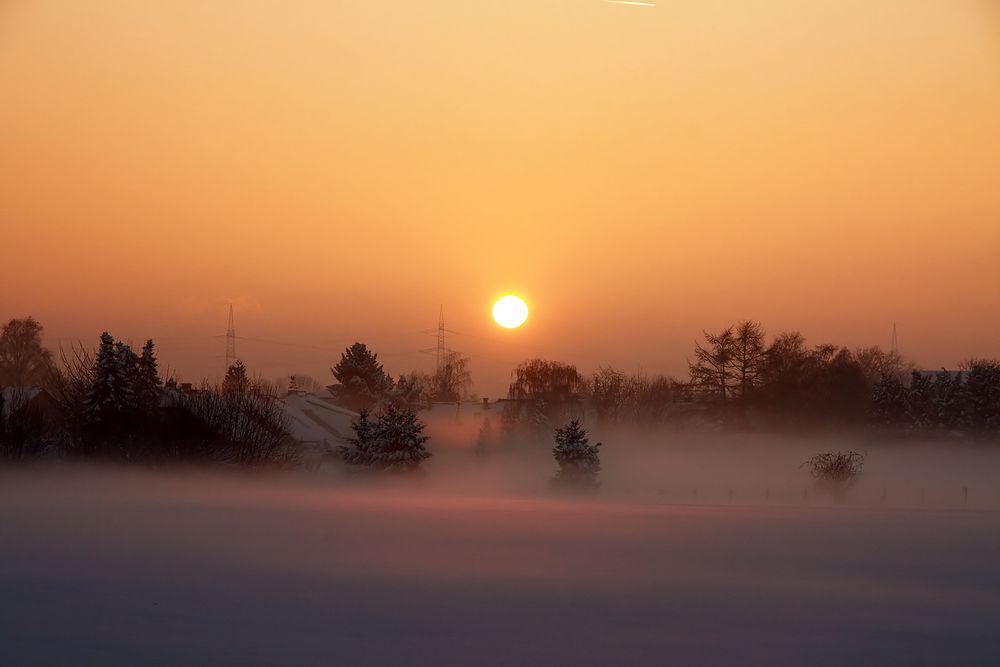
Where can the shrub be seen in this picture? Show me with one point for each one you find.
(836, 471)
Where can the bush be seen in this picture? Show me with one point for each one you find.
(836, 471)
(251, 425)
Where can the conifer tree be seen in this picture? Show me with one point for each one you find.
(363, 382)
(889, 401)
(236, 380)
(982, 395)
(359, 451)
(149, 383)
(393, 443)
(919, 401)
(101, 397)
(579, 461)
(127, 381)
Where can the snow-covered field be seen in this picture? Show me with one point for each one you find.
(127, 568)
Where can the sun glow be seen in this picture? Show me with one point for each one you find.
(510, 311)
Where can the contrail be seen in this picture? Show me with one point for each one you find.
(631, 2)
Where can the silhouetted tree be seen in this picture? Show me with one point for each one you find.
(877, 363)
(748, 357)
(128, 379)
(713, 373)
(920, 409)
(363, 382)
(23, 360)
(148, 383)
(579, 462)
(550, 386)
(451, 382)
(237, 379)
(835, 472)
(250, 425)
(946, 400)
(103, 398)
(609, 393)
(981, 395)
(889, 401)
(413, 391)
(616, 396)
(651, 397)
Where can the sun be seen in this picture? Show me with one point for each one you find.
(510, 311)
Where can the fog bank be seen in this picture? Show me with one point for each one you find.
(124, 567)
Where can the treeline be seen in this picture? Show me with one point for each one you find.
(111, 404)
(739, 379)
(945, 401)
(746, 380)
(363, 383)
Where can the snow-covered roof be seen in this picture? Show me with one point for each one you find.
(19, 396)
(20, 393)
(317, 420)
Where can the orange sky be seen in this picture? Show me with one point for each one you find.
(338, 169)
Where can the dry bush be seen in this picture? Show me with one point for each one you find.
(251, 424)
(836, 467)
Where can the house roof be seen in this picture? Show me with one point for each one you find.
(317, 420)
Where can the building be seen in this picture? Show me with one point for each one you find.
(315, 422)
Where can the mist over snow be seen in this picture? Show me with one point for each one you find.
(479, 561)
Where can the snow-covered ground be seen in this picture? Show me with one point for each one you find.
(127, 568)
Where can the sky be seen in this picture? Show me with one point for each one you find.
(339, 170)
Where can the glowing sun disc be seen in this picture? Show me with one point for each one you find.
(510, 311)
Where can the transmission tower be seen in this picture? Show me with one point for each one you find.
(230, 341)
(895, 341)
(441, 350)
(440, 346)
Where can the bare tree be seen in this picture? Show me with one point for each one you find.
(552, 386)
(452, 381)
(609, 393)
(749, 356)
(713, 372)
(251, 424)
(24, 362)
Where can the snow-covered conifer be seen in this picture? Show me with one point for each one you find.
(101, 404)
(394, 442)
(889, 401)
(126, 383)
(149, 383)
(919, 401)
(579, 461)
